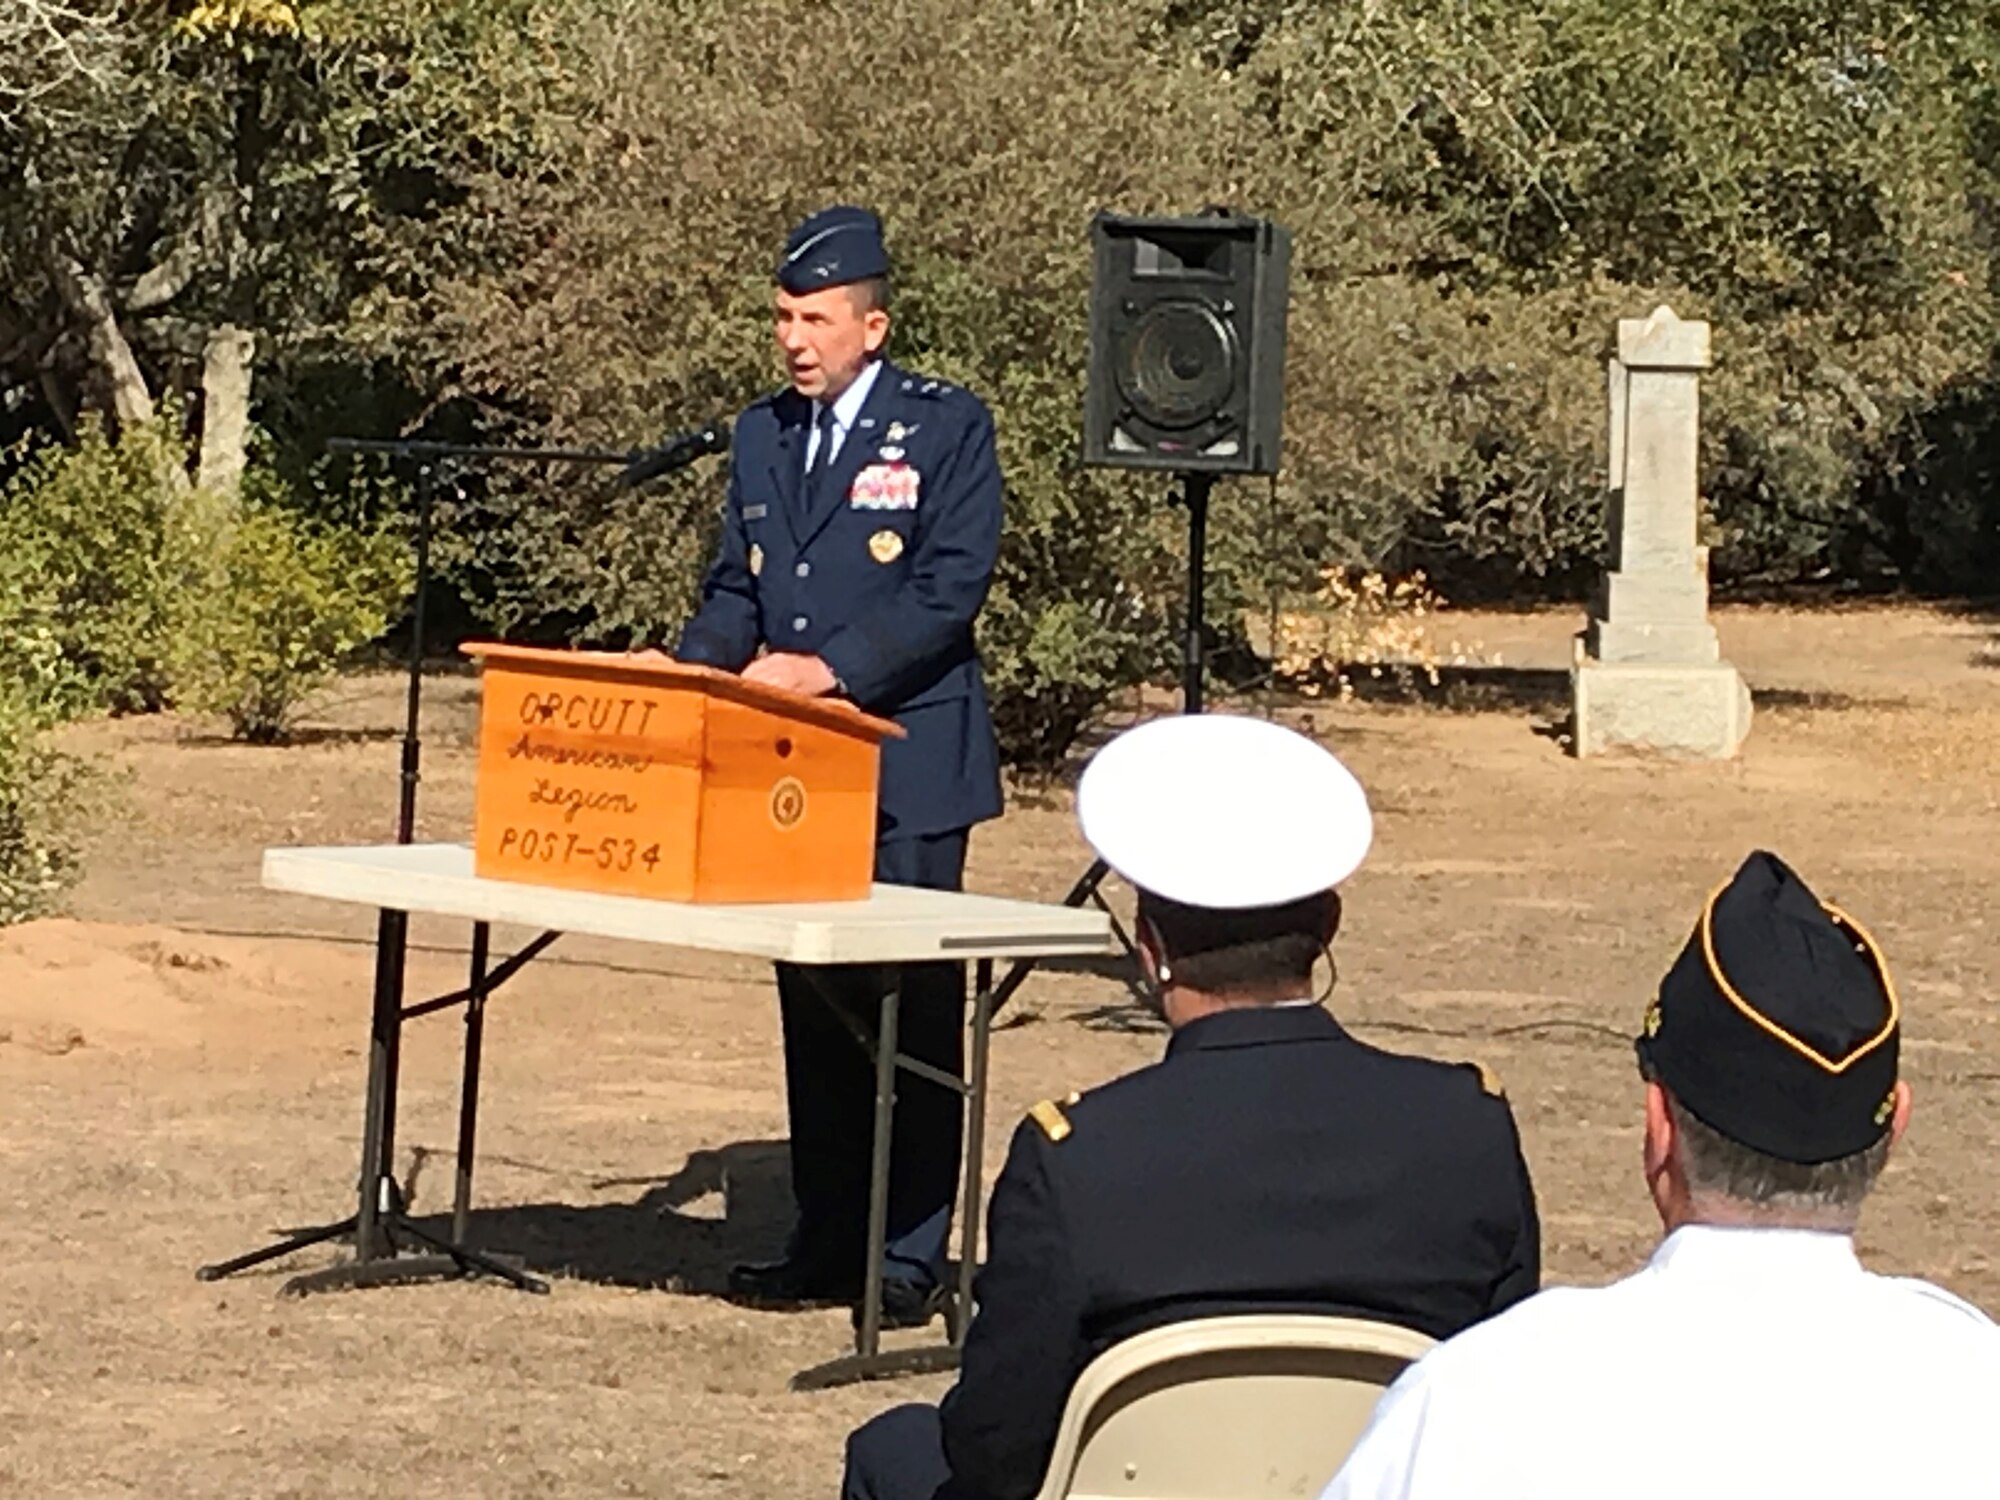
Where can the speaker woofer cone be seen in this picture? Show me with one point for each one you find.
(1176, 364)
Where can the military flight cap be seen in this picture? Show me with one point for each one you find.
(1223, 812)
(832, 248)
(1778, 1024)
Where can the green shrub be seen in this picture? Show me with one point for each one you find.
(98, 556)
(286, 602)
(46, 802)
(34, 670)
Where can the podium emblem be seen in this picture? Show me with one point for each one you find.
(788, 802)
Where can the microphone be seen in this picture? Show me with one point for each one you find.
(677, 452)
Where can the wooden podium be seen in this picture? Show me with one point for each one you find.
(640, 776)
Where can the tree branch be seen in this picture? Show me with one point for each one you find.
(161, 283)
(88, 301)
(45, 46)
(196, 248)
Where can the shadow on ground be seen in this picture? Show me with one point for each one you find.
(651, 1241)
(307, 734)
(1544, 690)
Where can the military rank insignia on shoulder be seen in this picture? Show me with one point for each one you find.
(1489, 1081)
(1049, 1115)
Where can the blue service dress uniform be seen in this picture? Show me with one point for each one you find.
(879, 568)
(1271, 1163)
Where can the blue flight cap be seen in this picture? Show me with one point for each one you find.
(832, 248)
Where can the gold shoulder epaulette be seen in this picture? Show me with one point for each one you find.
(1489, 1080)
(1048, 1114)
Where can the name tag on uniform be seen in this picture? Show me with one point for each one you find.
(891, 486)
(755, 512)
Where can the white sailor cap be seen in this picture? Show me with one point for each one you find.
(1225, 812)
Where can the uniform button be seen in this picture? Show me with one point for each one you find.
(804, 570)
(799, 622)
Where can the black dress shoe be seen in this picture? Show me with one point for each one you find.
(906, 1304)
(792, 1280)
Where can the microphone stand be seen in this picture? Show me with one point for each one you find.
(383, 1211)
(428, 456)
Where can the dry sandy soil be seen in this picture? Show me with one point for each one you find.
(181, 1070)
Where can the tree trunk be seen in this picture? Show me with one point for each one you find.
(58, 401)
(225, 409)
(110, 351)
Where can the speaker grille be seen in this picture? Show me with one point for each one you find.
(1176, 364)
(1187, 344)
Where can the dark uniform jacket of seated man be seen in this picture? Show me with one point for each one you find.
(1270, 1163)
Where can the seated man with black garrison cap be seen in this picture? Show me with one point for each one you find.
(1270, 1163)
(1752, 1355)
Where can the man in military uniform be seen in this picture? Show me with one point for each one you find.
(1271, 1162)
(1752, 1355)
(858, 540)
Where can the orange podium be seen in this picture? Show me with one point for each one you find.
(640, 776)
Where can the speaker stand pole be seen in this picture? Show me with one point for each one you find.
(1193, 494)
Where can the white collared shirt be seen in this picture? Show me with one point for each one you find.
(846, 409)
(1738, 1363)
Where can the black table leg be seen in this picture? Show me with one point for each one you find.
(868, 1337)
(378, 1125)
(869, 1361)
(975, 1151)
(468, 1092)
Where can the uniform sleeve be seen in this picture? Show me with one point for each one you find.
(1522, 1275)
(955, 545)
(1025, 1348)
(726, 631)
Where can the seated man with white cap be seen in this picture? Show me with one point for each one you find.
(1270, 1163)
(1752, 1355)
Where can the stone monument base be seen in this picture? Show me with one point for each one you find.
(1695, 712)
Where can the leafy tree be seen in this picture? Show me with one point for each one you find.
(201, 197)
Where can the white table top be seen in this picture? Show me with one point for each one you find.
(896, 924)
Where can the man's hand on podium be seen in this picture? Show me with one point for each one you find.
(794, 671)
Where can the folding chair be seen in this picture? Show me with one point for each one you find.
(1225, 1408)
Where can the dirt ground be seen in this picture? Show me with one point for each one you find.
(181, 1069)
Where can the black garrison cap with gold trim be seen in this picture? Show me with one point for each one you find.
(1778, 1023)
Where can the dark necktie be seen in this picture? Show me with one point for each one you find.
(822, 458)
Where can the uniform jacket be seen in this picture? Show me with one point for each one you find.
(1270, 1163)
(881, 580)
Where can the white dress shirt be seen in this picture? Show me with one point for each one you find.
(846, 409)
(1738, 1362)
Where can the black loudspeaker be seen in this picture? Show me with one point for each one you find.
(1187, 344)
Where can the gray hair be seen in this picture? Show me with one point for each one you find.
(870, 293)
(1768, 1190)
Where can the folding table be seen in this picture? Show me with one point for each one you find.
(894, 925)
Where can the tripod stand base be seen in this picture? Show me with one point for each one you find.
(449, 1261)
(1085, 890)
(297, 1240)
(886, 1364)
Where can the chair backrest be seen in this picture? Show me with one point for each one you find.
(1225, 1408)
